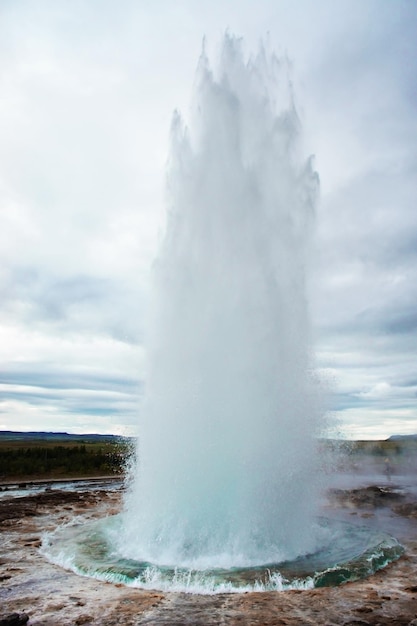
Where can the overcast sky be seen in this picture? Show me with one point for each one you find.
(87, 92)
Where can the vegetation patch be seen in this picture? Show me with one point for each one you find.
(68, 458)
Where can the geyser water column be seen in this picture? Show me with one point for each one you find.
(227, 462)
(224, 494)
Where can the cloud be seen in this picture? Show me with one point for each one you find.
(53, 380)
(360, 423)
(87, 94)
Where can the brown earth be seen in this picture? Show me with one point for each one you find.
(50, 595)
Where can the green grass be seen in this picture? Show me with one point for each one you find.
(387, 447)
(37, 459)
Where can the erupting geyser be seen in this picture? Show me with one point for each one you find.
(227, 461)
(224, 496)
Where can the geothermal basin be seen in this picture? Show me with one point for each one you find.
(359, 494)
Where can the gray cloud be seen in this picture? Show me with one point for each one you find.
(87, 91)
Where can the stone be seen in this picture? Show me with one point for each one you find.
(14, 619)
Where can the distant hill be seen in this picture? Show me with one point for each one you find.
(11, 435)
(402, 438)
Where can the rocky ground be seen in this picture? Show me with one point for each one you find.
(42, 594)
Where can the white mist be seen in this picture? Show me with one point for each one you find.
(227, 459)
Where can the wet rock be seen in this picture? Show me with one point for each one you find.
(408, 509)
(83, 619)
(34, 505)
(14, 619)
(364, 609)
(373, 496)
